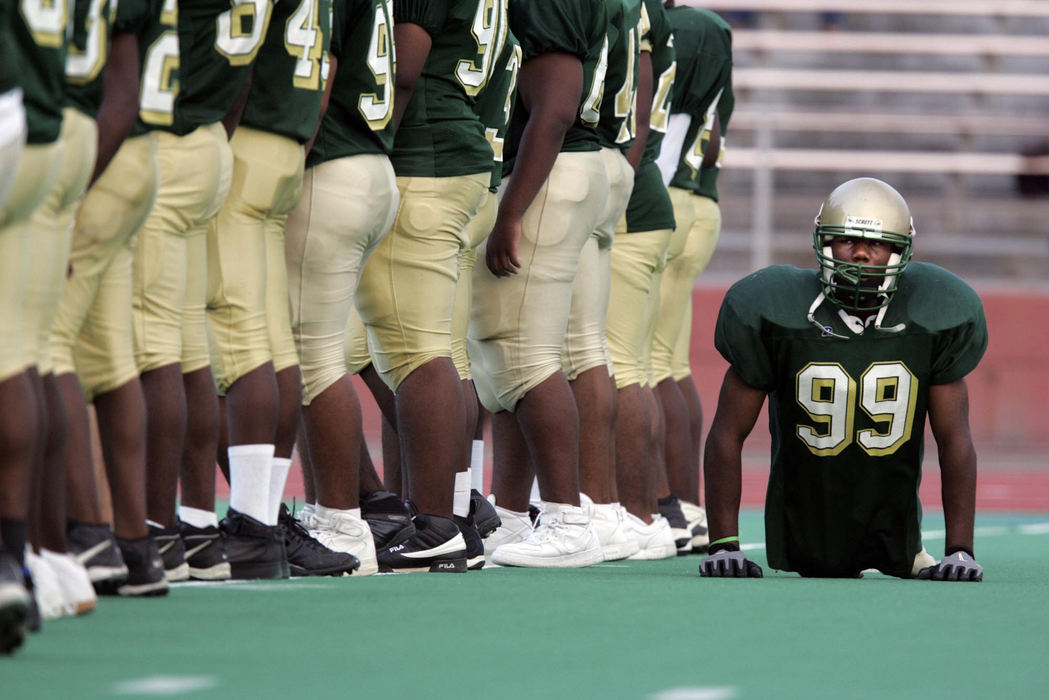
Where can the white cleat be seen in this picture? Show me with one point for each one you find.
(514, 527)
(344, 533)
(618, 540)
(50, 598)
(655, 538)
(74, 581)
(564, 538)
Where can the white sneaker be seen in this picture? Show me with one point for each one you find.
(74, 581)
(344, 533)
(697, 523)
(617, 539)
(50, 598)
(307, 515)
(514, 527)
(656, 539)
(563, 538)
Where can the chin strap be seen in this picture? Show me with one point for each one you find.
(881, 316)
(855, 324)
(825, 330)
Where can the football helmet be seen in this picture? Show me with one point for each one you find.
(864, 208)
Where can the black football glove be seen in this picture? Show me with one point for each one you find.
(958, 566)
(726, 561)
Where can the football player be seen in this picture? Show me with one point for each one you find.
(494, 106)
(218, 42)
(551, 203)
(445, 56)
(853, 358)
(257, 365)
(348, 201)
(638, 256)
(92, 335)
(690, 160)
(43, 237)
(33, 53)
(586, 360)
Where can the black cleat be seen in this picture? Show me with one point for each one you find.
(254, 550)
(205, 552)
(172, 551)
(670, 508)
(307, 556)
(145, 568)
(486, 520)
(474, 543)
(437, 545)
(14, 604)
(97, 549)
(389, 519)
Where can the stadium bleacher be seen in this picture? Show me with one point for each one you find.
(948, 101)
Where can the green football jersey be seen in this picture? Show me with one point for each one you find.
(708, 178)
(658, 40)
(218, 42)
(650, 208)
(158, 49)
(495, 104)
(440, 135)
(8, 57)
(93, 22)
(618, 126)
(704, 52)
(287, 84)
(847, 414)
(40, 42)
(576, 27)
(360, 109)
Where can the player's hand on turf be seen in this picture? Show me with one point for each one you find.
(959, 566)
(501, 250)
(725, 563)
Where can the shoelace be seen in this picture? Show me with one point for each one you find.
(546, 530)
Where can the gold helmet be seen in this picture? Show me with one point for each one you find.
(863, 208)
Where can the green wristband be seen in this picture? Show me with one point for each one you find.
(725, 540)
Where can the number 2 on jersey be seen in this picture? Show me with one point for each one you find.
(887, 392)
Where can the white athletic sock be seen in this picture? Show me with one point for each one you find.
(477, 465)
(279, 468)
(249, 476)
(534, 499)
(324, 514)
(461, 498)
(197, 517)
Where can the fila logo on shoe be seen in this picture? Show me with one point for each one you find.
(445, 565)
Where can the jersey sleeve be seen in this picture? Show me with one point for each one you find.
(551, 26)
(737, 334)
(341, 14)
(134, 16)
(960, 348)
(655, 26)
(428, 14)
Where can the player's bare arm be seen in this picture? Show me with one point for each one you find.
(549, 88)
(739, 405)
(949, 420)
(413, 47)
(119, 107)
(644, 110)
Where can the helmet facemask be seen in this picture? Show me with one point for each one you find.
(869, 209)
